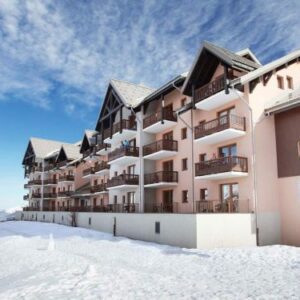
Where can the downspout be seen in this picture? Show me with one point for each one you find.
(191, 127)
(42, 189)
(253, 162)
(141, 179)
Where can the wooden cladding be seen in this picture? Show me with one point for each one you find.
(220, 124)
(123, 179)
(160, 116)
(123, 151)
(222, 165)
(118, 127)
(167, 145)
(161, 176)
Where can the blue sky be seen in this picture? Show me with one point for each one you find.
(56, 58)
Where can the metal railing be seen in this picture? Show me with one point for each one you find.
(221, 165)
(220, 124)
(219, 206)
(167, 145)
(98, 188)
(118, 127)
(161, 176)
(102, 146)
(66, 178)
(159, 116)
(123, 179)
(65, 193)
(162, 208)
(103, 165)
(123, 151)
(50, 181)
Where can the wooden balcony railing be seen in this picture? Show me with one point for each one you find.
(161, 176)
(98, 188)
(26, 197)
(50, 195)
(123, 151)
(66, 178)
(221, 165)
(65, 193)
(50, 181)
(34, 182)
(219, 206)
(212, 87)
(36, 195)
(118, 127)
(102, 146)
(159, 116)
(123, 179)
(89, 171)
(220, 124)
(103, 165)
(162, 208)
(168, 145)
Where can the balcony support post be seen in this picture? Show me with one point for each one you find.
(121, 118)
(225, 80)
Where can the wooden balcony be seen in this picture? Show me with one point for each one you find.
(65, 194)
(123, 130)
(26, 197)
(219, 206)
(88, 153)
(123, 155)
(162, 208)
(88, 172)
(31, 208)
(102, 168)
(160, 149)
(66, 178)
(45, 195)
(161, 179)
(220, 130)
(102, 148)
(99, 188)
(160, 121)
(50, 181)
(212, 95)
(222, 168)
(123, 181)
(36, 182)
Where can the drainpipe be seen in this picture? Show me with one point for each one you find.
(253, 162)
(141, 179)
(42, 187)
(191, 127)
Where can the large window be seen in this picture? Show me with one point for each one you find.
(229, 191)
(229, 150)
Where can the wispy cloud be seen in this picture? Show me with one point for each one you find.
(66, 51)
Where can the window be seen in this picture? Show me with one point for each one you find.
(183, 102)
(123, 199)
(202, 157)
(115, 199)
(184, 196)
(95, 182)
(290, 83)
(183, 133)
(116, 173)
(203, 194)
(280, 83)
(184, 164)
(298, 146)
(226, 151)
(90, 221)
(157, 227)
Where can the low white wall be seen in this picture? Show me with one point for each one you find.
(182, 230)
(269, 228)
(225, 230)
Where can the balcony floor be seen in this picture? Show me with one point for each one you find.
(89, 175)
(126, 187)
(217, 100)
(160, 155)
(222, 176)
(127, 134)
(124, 160)
(102, 172)
(161, 185)
(103, 151)
(159, 127)
(221, 136)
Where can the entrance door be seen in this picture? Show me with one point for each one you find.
(229, 196)
(168, 201)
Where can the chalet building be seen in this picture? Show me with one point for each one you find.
(223, 138)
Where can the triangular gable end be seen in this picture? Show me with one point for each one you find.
(61, 155)
(29, 155)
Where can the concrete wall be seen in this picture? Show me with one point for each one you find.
(182, 230)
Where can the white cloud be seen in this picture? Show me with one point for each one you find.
(73, 48)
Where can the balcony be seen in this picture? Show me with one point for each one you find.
(212, 95)
(26, 197)
(219, 206)
(162, 208)
(88, 172)
(102, 168)
(123, 182)
(220, 130)
(50, 182)
(99, 188)
(222, 168)
(31, 208)
(66, 178)
(102, 149)
(65, 194)
(87, 154)
(160, 149)
(124, 130)
(160, 121)
(50, 167)
(45, 195)
(161, 179)
(36, 182)
(62, 164)
(123, 155)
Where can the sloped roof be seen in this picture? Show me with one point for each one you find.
(90, 133)
(42, 147)
(286, 100)
(267, 68)
(72, 151)
(131, 94)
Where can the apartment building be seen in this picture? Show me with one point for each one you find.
(207, 142)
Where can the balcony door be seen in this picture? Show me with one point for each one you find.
(168, 201)
(229, 196)
(224, 115)
(226, 151)
(168, 136)
(168, 166)
(131, 169)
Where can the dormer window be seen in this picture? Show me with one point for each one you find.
(280, 83)
(290, 83)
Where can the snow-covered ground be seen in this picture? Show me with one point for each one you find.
(49, 261)
(8, 213)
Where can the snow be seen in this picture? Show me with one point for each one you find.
(49, 261)
(9, 213)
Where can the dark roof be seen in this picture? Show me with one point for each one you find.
(208, 59)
